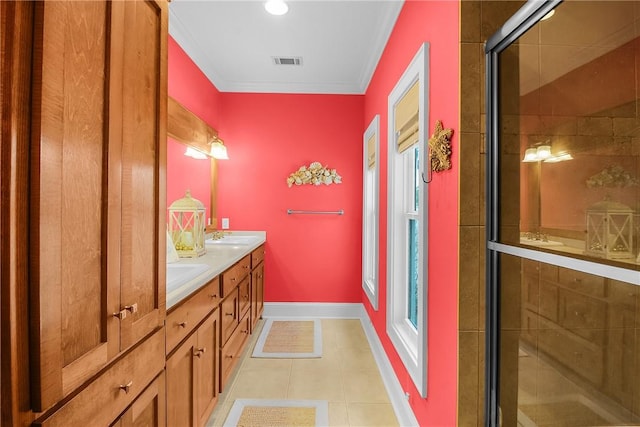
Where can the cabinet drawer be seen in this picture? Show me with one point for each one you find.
(257, 256)
(233, 276)
(232, 350)
(229, 316)
(105, 398)
(583, 315)
(530, 267)
(582, 282)
(182, 319)
(548, 300)
(244, 296)
(580, 357)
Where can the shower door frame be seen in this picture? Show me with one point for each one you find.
(525, 18)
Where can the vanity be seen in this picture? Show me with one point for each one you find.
(213, 304)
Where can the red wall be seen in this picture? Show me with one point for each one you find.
(190, 87)
(435, 22)
(310, 258)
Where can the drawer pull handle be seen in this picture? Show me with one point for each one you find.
(126, 387)
(229, 314)
(245, 332)
(229, 356)
(213, 296)
(133, 308)
(199, 352)
(577, 280)
(182, 324)
(120, 314)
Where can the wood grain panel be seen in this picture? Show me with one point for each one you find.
(187, 128)
(16, 32)
(105, 398)
(207, 368)
(149, 408)
(181, 385)
(68, 240)
(143, 163)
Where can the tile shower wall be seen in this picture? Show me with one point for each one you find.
(478, 21)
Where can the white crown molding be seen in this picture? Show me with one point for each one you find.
(383, 35)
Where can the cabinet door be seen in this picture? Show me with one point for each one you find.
(148, 410)
(143, 160)
(257, 293)
(181, 387)
(73, 291)
(207, 367)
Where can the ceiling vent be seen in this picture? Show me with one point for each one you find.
(287, 60)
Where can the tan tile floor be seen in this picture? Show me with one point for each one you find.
(347, 376)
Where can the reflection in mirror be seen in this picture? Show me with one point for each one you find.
(570, 124)
(187, 132)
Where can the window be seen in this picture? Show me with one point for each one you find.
(407, 219)
(371, 177)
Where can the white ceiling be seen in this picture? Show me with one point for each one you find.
(234, 41)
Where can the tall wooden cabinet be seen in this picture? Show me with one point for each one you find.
(96, 192)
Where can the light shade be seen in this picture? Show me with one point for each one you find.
(530, 155)
(543, 152)
(276, 7)
(196, 154)
(561, 157)
(218, 150)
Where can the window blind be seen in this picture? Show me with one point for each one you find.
(406, 118)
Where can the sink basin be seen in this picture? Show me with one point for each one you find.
(179, 274)
(233, 240)
(533, 242)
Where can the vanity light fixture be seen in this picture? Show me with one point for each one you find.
(218, 150)
(196, 154)
(542, 153)
(276, 7)
(530, 156)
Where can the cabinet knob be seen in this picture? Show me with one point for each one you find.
(199, 352)
(245, 332)
(228, 356)
(126, 387)
(182, 324)
(133, 308)
(229, 314)
(213, 296)
(122, 314)
(233, 279)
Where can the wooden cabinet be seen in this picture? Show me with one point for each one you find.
(148, 409)
(585, 323)
(97, 183)
(193, 366)
(257, 285)
(106, 397)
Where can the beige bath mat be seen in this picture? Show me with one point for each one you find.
(289, 339)
(278, 413)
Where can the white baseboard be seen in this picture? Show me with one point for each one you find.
(352, 311)
(312, 309)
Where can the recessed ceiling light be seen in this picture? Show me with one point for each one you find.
(276, 7)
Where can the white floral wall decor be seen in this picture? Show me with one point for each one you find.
(315, 174)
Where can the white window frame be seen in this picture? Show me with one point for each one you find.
(370, 215)
(409, 342)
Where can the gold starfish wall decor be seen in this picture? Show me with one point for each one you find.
(440, 148)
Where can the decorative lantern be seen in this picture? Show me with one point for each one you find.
(186, 226)
(609, 230)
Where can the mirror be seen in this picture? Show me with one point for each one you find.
(186, 130)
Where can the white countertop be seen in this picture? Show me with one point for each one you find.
(219, 257)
